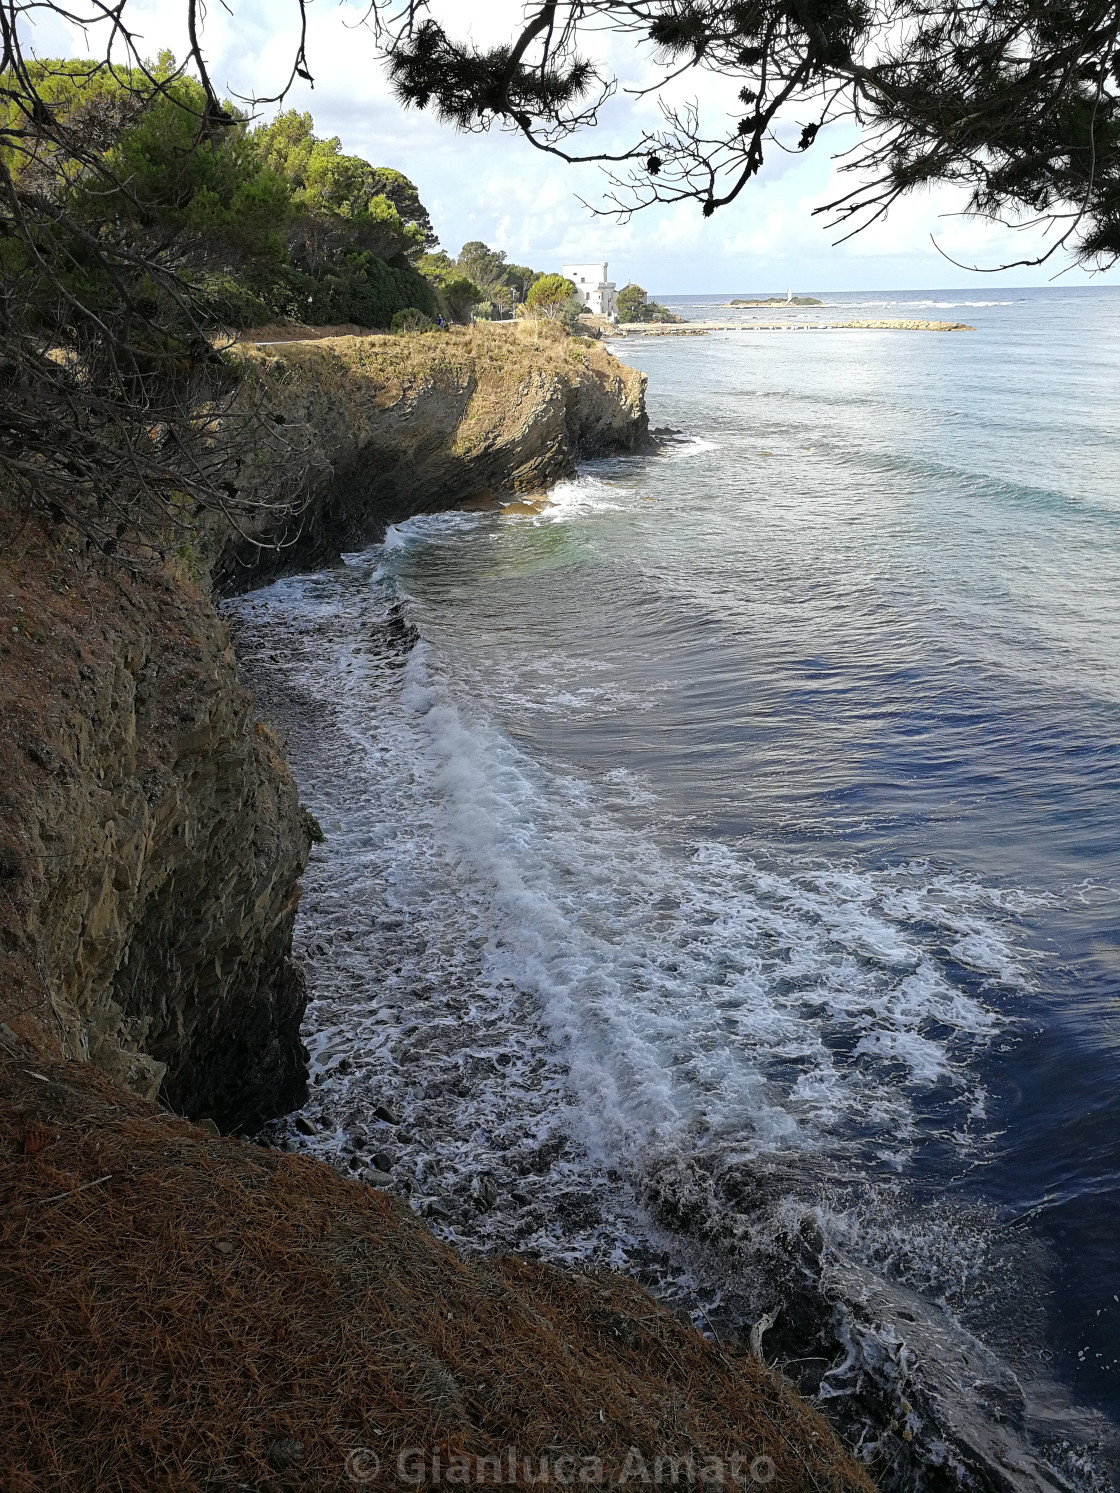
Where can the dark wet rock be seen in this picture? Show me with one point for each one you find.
(440, 1209)
(485, 1192)
(285, 1455)
(579, 1210)
(383, 1112)
(305, 1125)
(527, 1225)
(540, 1160)
(383, 1161)
(930, 1405)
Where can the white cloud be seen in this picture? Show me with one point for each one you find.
(498, 188)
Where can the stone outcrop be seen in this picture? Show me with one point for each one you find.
(903, 325)
(367, 431)
(151, 837)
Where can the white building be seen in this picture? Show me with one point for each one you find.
(596, 292)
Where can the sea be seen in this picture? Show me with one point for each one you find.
(726, 850)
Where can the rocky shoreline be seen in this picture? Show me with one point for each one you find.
(153, 837)
(153, 844)
(187, 1310)
(434, 1083)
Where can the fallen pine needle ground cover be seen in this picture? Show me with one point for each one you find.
(180, 1311)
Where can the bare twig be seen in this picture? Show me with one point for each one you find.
(61, 1196)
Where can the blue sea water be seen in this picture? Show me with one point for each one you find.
(757, 798)
(928, 564)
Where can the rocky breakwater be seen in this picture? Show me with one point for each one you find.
(151, 837)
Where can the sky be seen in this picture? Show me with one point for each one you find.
(497, 188)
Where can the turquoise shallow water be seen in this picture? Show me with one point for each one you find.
(758, 798)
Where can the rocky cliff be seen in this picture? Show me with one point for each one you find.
(152, 843)
(361, 432)
(151, 838)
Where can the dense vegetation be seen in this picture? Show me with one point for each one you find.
(268, 222)
(143, 218)
(635, 305)
(482, 276)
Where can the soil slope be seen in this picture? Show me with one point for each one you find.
(183, 1312)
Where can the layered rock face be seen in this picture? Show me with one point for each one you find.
(364, 432)
(151, 838)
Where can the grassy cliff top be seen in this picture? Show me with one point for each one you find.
(513, 349)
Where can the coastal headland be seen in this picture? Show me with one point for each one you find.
(185, 1309)
(153, 838)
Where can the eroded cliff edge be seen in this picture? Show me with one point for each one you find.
(366, 431)
(152, 839)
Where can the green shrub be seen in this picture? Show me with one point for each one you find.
(635, 305)
(550, 296)
(311, 825)
(265, 223)
(411, 319)
(460, 296)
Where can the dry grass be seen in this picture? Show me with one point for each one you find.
(294, 331)
(181, 1312)
(511, 351)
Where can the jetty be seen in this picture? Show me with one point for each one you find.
(702, 328)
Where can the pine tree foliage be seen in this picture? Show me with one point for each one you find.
(142, 218)
(1017, 101)
(634, 305)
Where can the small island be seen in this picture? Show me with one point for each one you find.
(781, 300)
